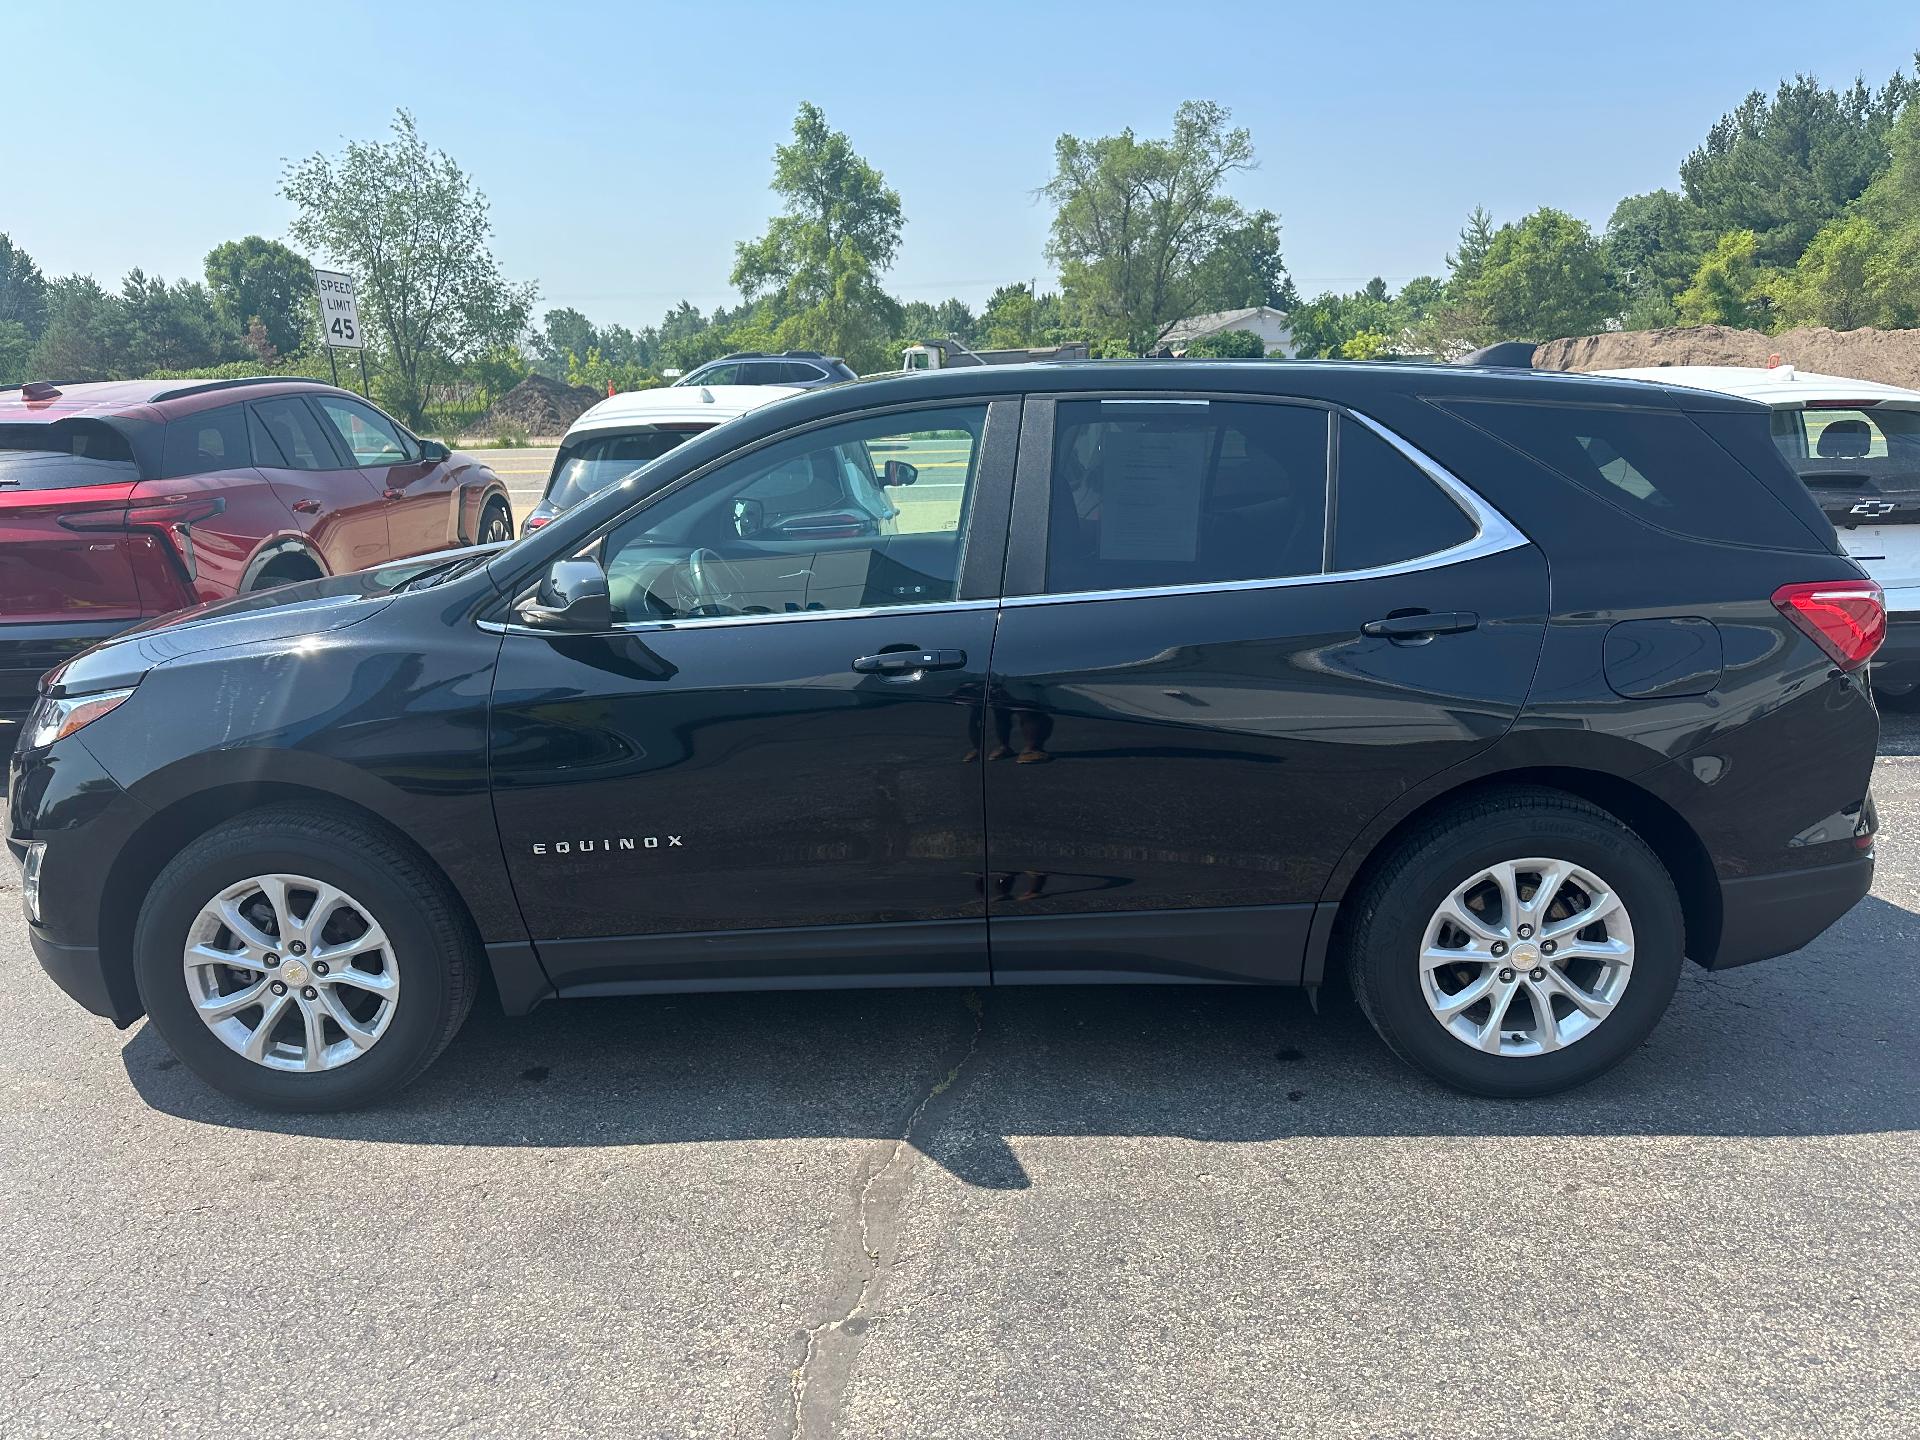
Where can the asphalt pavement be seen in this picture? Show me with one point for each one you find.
(1059, 1213)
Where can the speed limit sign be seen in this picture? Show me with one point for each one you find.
(339, 312)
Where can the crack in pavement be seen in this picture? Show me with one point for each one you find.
(833, 1344)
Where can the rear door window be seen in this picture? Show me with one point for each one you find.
(207, 443)
(294, 433)
(64, 453)
(1656, 465)
(1146, 494)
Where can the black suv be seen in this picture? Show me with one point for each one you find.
(1469, 683)
(802, 369)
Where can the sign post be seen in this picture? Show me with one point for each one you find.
(340, 321)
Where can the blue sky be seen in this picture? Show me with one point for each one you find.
(625, 149)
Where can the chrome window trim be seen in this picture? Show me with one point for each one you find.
(1494, 533)
(703, 622)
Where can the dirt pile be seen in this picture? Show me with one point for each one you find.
(1889, 356)
(538, 406)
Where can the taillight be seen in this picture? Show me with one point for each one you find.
(534, 522)
(173, 518)
(1845, 618)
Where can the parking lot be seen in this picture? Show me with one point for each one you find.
(1044, 1212)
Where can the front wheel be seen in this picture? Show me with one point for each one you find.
(496, 523)
(301, 959)
(1520, 944)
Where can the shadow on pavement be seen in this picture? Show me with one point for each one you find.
(1800, 1046)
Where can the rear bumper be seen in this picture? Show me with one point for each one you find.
(1770, 915)
(1896, 664)
(28, 651)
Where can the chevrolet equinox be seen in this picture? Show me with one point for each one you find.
(1502, 693)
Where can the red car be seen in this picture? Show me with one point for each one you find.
(121, 500)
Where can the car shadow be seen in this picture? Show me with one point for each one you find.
(1805, 1045)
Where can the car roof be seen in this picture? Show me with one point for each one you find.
(712, 403)
(148, 400)
(1781, 386)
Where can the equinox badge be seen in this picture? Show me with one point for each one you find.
(623, 842)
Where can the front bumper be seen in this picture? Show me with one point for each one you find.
(1767, 915)
(28, 651)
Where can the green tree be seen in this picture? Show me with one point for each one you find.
(257, 279)
(1244, 268)
(85, 337)
(411, 227)
(1323, 326)
(171, 327)
(1728, 288)
(1785, 166)
(1833, 283)
(1227, 345)
(23, 290)
(822, 258)
(1541, 279)
(1651, 247)
(1135, 220)
(1009, 322)
(1476, 239)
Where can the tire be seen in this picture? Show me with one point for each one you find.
(1902, 702)
(431, 959)
(496, 523)
(1394, 913)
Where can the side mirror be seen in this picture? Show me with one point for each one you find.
(573, 597)
(749, 518)
(898, 472)
(434, 451)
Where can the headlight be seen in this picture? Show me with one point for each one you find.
(53, 719)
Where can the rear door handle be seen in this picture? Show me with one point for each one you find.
(394, 492)
(1415, 627)
(908, 662)
(307, 507)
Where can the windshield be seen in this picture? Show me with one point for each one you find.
(591, 463)
(1852, 447)
(63, 454)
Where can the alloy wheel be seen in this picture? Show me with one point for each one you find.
(1526, 957)
(291, 973)
(495, 526)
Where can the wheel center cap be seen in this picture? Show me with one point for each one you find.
(294, 973)
(1525, 956)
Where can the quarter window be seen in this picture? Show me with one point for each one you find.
(1388, 511)
(370, 437)
(1157, 493)
(859, 515)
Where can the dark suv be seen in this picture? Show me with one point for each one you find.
(124, 500)
(802, 369)
(1467, 683)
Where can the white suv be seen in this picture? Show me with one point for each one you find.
(1856, 445)
(634, 428)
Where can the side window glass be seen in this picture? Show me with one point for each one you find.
(297, 442)
(207, 443)
(1159, 493)
(852, 516)
(719, 375)
(370, 437)
(1387, 510)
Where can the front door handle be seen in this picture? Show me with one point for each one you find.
(394, 492)
(909, 662)
(1422, 625)
(307, 506)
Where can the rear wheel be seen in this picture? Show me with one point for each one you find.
(1520, 944)
(496, 523)
(300, 959)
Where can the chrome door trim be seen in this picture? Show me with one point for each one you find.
(704, 622)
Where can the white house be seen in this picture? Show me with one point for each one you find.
(1263, 320)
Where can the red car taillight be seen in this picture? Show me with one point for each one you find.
(1845, 618)
(534, 522)
(173, 518)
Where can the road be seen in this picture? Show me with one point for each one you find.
(1052, 1213)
